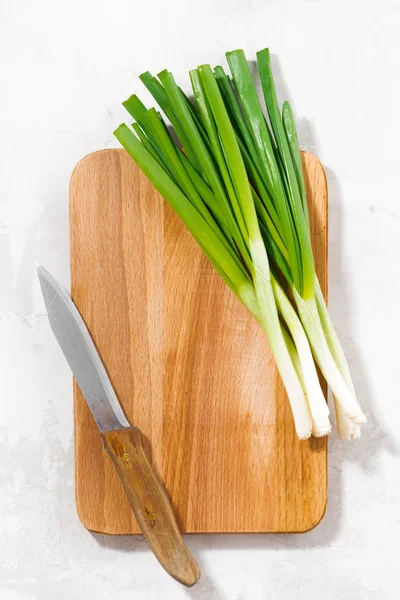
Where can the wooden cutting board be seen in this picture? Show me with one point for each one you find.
(191, 367)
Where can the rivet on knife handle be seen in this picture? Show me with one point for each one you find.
(150, 504)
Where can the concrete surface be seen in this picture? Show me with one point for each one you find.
(66, 66)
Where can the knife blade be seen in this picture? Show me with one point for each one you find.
(148, 499)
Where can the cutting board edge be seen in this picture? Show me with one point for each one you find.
(119, 533)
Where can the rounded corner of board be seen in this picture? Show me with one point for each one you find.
(94, 526)
(89, 158)
(316, 520)
(310, 157)
(90, 525)
(85, 522)
(310, 160)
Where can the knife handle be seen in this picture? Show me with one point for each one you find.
(150, 504)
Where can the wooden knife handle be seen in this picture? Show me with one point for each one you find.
(150, 504)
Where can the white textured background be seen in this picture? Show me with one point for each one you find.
(65, 68)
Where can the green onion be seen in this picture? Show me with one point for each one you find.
(260, 266)
(236, 181)
(318, 406)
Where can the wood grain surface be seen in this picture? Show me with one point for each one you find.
(191, 367)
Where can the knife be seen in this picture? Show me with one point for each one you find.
(147, 497)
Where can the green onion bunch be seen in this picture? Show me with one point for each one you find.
(235, 179)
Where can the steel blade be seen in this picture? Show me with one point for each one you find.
(81, 354)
